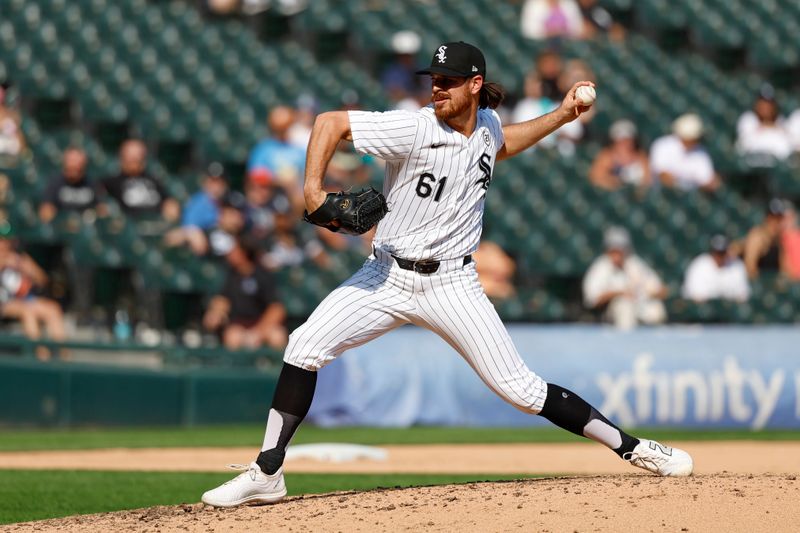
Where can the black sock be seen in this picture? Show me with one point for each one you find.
(569, 411)
(293, 395)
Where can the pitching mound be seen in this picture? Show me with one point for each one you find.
(611, 503)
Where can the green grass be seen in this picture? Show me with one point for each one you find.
(251, 435)
(35, 495)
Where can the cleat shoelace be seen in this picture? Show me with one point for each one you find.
(247, 470)
(651, 461)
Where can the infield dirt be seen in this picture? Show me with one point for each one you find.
(740, 486)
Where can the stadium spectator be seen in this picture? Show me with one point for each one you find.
(220, 239)
(21, 284)
(263, 198)
(549, 67)
(536, 104)
(137, 193)
(12, 140)
(790, 241)
(716, 275)
(570, 134)
(247, 311)
(276, 156)
(399, 79)
(495, 270)
(71, 190)
(622, 286)
(680, 161)
(224, 7)
(762, 248)
(300, 131)
(551, 20)
(762, 132)
(792, 125)
(201, 212)
(622, 162)
(597, 20)
(290, 244)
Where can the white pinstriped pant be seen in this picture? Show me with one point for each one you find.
(381, 296)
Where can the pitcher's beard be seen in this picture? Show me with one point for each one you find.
(448, 109)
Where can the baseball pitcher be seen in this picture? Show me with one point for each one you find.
(439, 167)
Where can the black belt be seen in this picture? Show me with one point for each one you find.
(425, 266)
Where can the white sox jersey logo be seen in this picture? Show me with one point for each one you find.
(436, 179)
(484, 163)
(440, 54)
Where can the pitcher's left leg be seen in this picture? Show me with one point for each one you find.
(456, 308)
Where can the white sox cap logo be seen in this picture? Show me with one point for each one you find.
(440, 54)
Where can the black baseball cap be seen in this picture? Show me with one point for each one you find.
(776, 207)
(457, 59)
(719, 243)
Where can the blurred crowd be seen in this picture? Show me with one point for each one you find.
(255, 230)
(252, 232)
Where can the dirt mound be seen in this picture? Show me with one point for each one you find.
(610, 503)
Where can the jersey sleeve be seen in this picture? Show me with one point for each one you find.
(497, 127)
(389, 135)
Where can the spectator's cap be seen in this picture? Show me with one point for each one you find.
(457, 59)
(307, 102)
(777, 207)
(622, 129)
(234, 199)
(350, 99)
(261, 176)
(766, 92)
(406, 42)
(216, 170)
(688, 127)
(617, 238)
(719, 243)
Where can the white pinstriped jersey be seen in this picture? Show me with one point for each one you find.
(436, 179)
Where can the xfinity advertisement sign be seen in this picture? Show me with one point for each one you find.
(690, 377)
(730, 393)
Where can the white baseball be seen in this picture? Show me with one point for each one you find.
(586, 94)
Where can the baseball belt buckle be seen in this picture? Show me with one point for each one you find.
(425, 266)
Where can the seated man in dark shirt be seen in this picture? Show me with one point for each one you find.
(137, 193)
(247, 310)
(71, 190)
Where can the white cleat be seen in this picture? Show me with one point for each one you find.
(251, 486)
(660, 459)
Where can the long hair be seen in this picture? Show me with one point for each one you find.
(491, 95)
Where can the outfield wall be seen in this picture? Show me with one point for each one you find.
(732, 377)
(74, 394)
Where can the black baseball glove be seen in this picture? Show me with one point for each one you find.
(355, 212)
